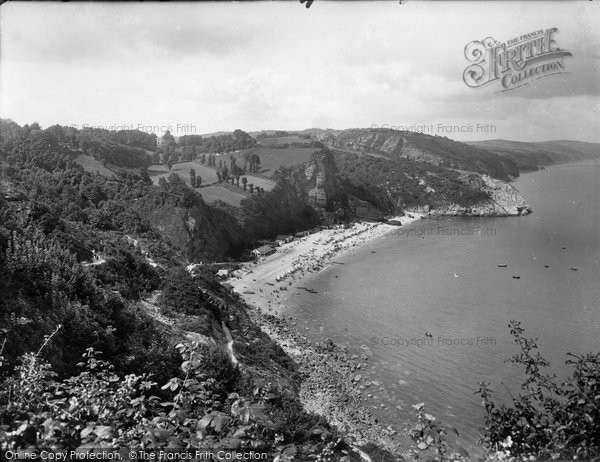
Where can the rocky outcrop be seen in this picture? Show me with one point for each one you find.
(316, 181)
(504, 200)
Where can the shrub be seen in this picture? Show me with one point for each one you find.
(547, 420)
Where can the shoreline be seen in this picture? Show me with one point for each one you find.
(264, 284)
(333, 386)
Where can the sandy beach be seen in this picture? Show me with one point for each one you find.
(333, 385)
(264, 284)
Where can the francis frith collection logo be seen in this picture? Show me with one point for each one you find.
(516, 62)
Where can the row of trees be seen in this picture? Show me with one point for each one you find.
(236, 141)
(235, 181)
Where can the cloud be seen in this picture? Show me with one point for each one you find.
(277, 65)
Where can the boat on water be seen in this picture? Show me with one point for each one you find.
(516, 276)
(573, 268)
(502, 265)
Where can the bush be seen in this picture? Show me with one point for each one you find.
(547, 420)
(181, 294)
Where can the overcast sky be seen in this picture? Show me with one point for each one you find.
(277, 65)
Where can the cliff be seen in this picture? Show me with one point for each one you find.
(350, 185)
(503, 200)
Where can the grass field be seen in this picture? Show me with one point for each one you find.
(91, 165)
(218, 192)
(182, 169)
(272, 158)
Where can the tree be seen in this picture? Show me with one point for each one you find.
(155, 158)
(175, 179)
(219, 176)
(237, 180)
(244, 182)
(251, 187)
(198, 181)
(168, 138)
(193, 177)
(256, 162)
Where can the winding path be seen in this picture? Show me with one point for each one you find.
(234, 360)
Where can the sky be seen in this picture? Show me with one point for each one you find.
(197, 68)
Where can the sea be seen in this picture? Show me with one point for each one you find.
(429, 304)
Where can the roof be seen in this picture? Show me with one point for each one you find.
(264, 248)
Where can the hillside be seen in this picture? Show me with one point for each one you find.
(532, 155)
(97, 294)
(435, 150)
(335, 182)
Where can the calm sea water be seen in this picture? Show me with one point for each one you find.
(442, 277)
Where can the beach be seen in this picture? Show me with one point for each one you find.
(333, 385)
(264, 284)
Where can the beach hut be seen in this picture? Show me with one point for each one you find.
(222, 273)
(285, 238)
(263, 251)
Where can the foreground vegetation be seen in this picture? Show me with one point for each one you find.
(547, 419)
(91, 357)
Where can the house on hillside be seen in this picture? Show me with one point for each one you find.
(263, 251)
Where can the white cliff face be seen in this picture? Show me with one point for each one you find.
(505, 200)
(505, 197)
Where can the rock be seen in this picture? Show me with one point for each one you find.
(329, 344)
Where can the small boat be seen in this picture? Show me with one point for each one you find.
(502, 265)
(515, 276)
(573, 268)
(564, 247)
(250, 292)
(546, 266)
(428, 334)
(456, 275)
